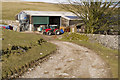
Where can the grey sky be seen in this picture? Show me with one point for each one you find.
(51, 1)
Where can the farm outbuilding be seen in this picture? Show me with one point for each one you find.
(31, 20)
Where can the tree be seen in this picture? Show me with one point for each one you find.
(96, 15)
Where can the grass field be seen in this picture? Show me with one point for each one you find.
(10, 9)
(109, 55)
(20, 50)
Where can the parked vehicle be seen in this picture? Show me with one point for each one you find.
(7, 27)
(52, 29)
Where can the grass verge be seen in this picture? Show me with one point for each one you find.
(109, 55)
(20, 51)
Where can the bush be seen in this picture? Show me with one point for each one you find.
(75, 36)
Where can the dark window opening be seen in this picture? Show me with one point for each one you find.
(54, 20)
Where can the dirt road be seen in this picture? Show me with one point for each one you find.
(71, 61)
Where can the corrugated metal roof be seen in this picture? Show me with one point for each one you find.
(64, 14)
(73, 17)
(49, 13)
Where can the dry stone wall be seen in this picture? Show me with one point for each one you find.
(110, 41)
(11, 22)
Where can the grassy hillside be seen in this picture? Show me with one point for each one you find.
(20, 51)
(10, 9)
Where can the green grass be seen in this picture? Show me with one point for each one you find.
(102, 51)
(15, 38)
(10, 9)
(15, 59)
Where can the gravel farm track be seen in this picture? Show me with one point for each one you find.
(71, 61)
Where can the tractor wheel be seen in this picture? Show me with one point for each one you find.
(57, 32)
(49, 33)
(44, 33)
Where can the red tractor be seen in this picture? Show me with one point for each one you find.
(52, 29)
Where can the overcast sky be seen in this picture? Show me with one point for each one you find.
(50, 1)
(57, 1)
(53, 1)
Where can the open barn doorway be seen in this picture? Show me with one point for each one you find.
(54, 20)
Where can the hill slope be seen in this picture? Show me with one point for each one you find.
(10, 9)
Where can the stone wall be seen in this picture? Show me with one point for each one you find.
(15, 23)
(110, 41)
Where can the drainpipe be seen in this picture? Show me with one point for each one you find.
(60, 21)
(30, 26)
(68, 23)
